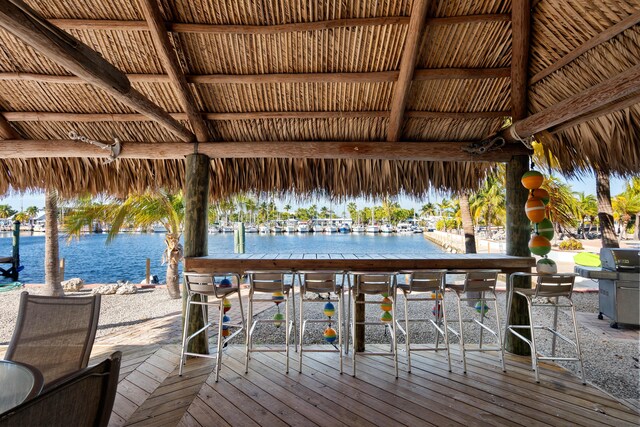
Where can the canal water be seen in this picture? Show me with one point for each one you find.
(95, 261)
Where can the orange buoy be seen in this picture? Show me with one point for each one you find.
(535, 210)
(532, 180)
(539, 245)
(540, 193)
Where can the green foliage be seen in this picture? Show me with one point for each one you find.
(6, 211)
(571, 245)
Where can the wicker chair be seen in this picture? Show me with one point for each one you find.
(82, 399)
(54, 334)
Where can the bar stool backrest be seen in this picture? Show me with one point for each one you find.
(375, 283)
(480, 280)
(205, 282)
(555, 285)
(319, 281)
(267, 281)
(426, 280)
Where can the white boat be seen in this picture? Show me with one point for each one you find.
(417, 229)
(227, 228)
(303, 227)
(404, 228)
(386, 228)
(214, 229)
(276, 228)
(291, 226)
(373, 228)
(317, 228)
(263, 229)
(358, 228)
(251, 229)
(159, 228)
(39, 228)
(344, 228)
(330, 229)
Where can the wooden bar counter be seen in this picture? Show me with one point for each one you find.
(239, 263)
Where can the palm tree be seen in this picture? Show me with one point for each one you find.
(488, 204)
(562, 205)
(605, 210)
(625, 205)
(144, 210)
(353, 211)
(586, 208)
(6, 211)
(467, 223)
(287, 208)
(51, 258)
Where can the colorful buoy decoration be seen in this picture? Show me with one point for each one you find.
(225, 326)
(535, 210)
(330, 335)
(479, 308)
(225, 283)
(545, 229)
(386, 316)
(278, 319)
(277, 297)
(546, 266)
(532, 180)
(437, 310)
(386, 304)
(329, 309)
(226, 305)
(542, 194)
(539, 245)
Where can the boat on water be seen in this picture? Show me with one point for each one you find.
(214, 229)
(373, 228)
(291, 226)
(386, 228)
(344, 228)
(330, 228)
(404, 228)
(39, 228)
(317, 228)
(228, 228)
(159, 228)
(263, 229)
(303, 227)
(358, 228)
(277, 229)
(251, 229)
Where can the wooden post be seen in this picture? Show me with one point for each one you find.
(61, 269)
(15, 263)
(148, 271)
(195, 234)
(359, 316)
(518, 231)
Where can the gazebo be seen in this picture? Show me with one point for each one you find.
(339, 98)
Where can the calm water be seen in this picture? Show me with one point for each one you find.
(125, 258)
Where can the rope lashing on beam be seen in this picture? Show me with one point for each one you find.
(114, 148)
(486, 145)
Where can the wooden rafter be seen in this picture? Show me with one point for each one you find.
(611, 107)
(176, 27)
(407, 67)
(43, 116)
(417, 151)
(602, 37)
(57, 45)
(364, 77)
(6, 131)
(520, 30)
(586, 102)
(169, 59)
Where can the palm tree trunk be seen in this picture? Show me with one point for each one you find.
(173, 260)
(467, 224)
(637, 226)
(51, 260)
(605, 211)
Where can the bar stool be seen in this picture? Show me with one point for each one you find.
(270, 282)
(213, 290)
(424, 286)
(551, 287)
(321, 282)
(482, 282)
(375, 283)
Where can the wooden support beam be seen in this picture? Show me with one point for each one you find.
(24, 23)
(169, 58)
(420, 151)
(177, 27)
(583, 103)
(407, 67)
(6, 131)
(518, 226)
(602, 37)
(611, 107)
(42, 116)
(365, 77)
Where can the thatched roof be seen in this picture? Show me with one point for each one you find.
(275, 71)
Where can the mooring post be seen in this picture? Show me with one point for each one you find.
(16, 250)
(61, 269)
(238, 238)
(148, 271)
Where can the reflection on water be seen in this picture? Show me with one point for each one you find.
(125, 258)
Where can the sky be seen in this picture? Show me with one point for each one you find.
(585, 184)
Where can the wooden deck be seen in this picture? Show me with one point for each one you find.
(151, 393)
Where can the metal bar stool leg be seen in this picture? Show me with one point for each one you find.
(394, 332)
(287, 331)
(353, 330)
(249, 332)
(499, 332)
(446, 329)
(301, 326)
(340, 317)
(220, 338)
(534, 351)
(406, 327)
(461, 336)
(184, 334)
(578, 350)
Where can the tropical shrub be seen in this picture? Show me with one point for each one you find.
(571, 245)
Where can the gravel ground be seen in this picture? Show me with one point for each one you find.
(611, 364)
